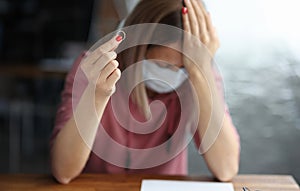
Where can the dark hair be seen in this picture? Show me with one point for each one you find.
(166, 12)
(173, 19)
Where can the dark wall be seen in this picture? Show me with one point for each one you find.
(34, 29)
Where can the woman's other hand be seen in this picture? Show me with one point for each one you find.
(201, 37)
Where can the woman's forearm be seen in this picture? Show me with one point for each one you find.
(219, 142)
(222, 157)
(72, 146)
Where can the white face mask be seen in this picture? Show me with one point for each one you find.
(161, 79)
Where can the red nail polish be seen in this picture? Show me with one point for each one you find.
(119, 38)
(184, 10)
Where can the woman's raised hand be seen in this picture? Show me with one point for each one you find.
(101, 67)
(197, 22)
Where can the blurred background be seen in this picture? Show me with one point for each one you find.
(259, 60)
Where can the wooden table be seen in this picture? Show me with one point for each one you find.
(100, 182)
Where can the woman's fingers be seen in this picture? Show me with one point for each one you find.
(113, 78)
(185, 19)
(108, 77)
(197, 22)
(109, 69)
(110, 45)
(207, 32)
(192, 18)
(211, 29)
(103, 61)
(101, 67)
(208, 21)
(201, 17)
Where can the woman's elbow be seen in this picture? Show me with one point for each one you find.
(227, 173)
(60, 176)
(62, 180)
(61, 172)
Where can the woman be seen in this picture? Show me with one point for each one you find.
(79, 142)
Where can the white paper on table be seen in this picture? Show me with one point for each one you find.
(171, 185)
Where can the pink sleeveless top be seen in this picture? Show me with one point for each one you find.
(123, 144)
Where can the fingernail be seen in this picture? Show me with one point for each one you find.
(119, 38)
(121, 35)
(184, 10)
